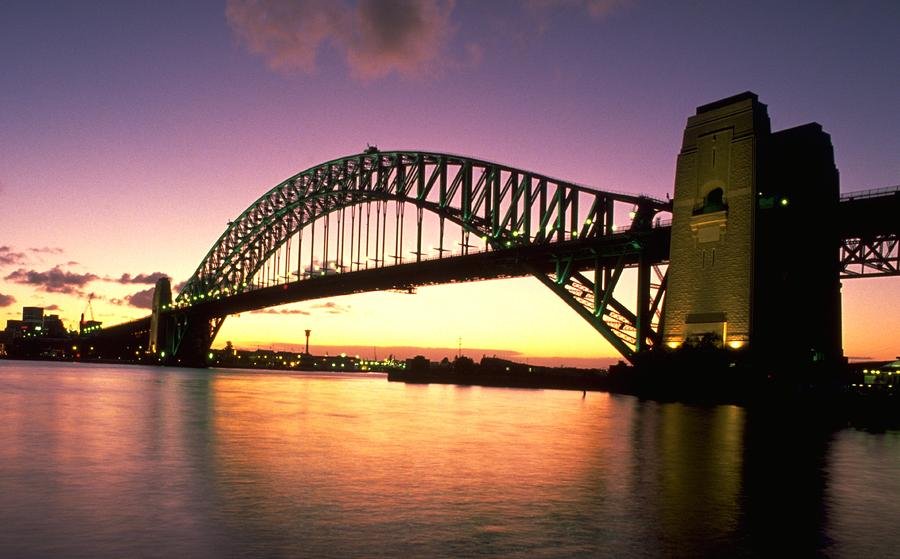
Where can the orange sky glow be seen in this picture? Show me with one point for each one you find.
(129, 141)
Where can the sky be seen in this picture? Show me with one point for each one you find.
(132, 132)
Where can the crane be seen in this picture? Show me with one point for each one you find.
(92, 324)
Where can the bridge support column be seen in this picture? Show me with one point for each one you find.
(642, 327)
(194, 336)
(162, 326)
(711, 270)
(753, 258)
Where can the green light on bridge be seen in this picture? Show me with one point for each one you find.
(784, 201)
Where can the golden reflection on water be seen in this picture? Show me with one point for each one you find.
(480, 456)
(380, 440)
(99, 461)
(699, 462)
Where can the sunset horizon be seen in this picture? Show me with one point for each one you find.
(136, 173)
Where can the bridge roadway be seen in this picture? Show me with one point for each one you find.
(494, 264)
(620, 249)
(873, 213)
(870, 212)
(868, 226)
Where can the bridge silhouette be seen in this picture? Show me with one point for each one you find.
(398, 220)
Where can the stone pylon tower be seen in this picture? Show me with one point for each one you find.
(161, 334)
(754, 247)
(711, 272)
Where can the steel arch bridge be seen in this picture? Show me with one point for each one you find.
(400, 219)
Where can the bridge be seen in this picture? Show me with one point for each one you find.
(398, 220)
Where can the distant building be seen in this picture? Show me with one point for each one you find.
(270, 359)
(35, 325)
(34, 315)
(35, 336)
(419, 363)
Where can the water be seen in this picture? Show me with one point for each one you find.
(106, 461)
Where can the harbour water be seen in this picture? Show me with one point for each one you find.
(107, 461)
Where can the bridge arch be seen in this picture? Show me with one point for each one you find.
(493, 208)
(465, 191)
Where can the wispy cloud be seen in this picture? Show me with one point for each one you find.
(280, 311)
(332, 308)
(142, 299)
(54, 280)
(46, 250)
(140, 278)
(6, 300)
(376, 37)
(9, 257)
(595, 8)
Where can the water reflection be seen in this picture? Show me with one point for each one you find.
(103, 462)
(396, 462)
(686, 468)
(784, 503)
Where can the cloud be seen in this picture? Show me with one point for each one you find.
(376, 37)
(8, 257)
(280, 311)
(141, 278)
(598, 9)
(287, 33)
(54, 280)
(317, 269)
(52, 308)
(475, 53)
(398, 35)
(142, 299)
(47, 250)
(6, 300)
(332, 307)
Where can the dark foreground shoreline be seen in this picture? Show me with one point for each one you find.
(833, 396)
(569, 380)
(832, 399)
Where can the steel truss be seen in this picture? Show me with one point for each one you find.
(594, 300)
(494, 207)
(878, 255)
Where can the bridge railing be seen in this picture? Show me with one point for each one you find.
(870, 193)
(331, 268)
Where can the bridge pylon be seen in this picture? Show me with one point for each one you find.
(748, 202)
(194, 333)
(162, 326)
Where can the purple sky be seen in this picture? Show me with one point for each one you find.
(131, 132)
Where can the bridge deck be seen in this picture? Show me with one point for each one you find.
(507, 263)
(870, 212)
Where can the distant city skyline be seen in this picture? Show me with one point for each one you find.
(132, 133)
